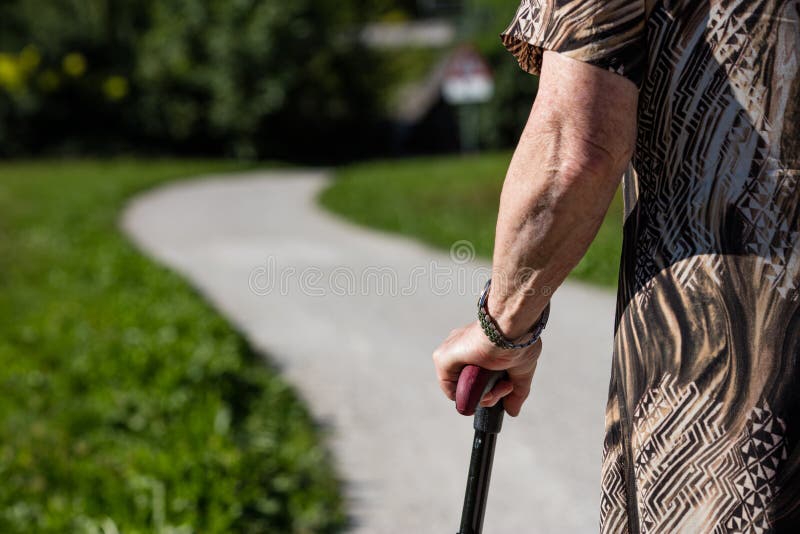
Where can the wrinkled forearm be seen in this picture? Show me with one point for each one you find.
(550, 211)
(556, 193)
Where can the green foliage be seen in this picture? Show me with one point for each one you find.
(128, 404)
(504, 117)
(483, 20)
(404, 66)
(253, 73)
(243, 77)
(446, 199)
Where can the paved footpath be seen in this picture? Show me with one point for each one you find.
(305, 287)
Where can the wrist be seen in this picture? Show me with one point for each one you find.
(510, 337)
(513, 314)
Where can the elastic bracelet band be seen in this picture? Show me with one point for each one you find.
(493, 332)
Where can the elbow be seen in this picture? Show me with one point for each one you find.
(584, 162)
(580, 153)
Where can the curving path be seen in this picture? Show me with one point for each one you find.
(305, 287)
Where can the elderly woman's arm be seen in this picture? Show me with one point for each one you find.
(561, 180)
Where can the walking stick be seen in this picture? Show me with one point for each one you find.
(473, 383)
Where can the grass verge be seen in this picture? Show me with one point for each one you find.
(445, 199)
(128, 404)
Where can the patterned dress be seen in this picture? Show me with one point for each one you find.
(703, 416)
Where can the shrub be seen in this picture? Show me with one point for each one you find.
(246, 78)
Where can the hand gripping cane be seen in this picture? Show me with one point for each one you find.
(473, 383)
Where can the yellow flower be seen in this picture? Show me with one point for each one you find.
(10, 73)
(29, 58)
(74, 64)
(115, 87)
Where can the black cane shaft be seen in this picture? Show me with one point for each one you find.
(480, 473)
(473, 384)
(487, 423)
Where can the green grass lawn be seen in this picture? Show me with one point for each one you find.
(445, 199)
(128, 404)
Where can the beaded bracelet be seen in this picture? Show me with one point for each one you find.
(493, 332)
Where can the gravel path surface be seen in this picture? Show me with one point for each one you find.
(351, 316)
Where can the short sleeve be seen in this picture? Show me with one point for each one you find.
(605, 33)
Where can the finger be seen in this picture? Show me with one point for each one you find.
(470, 346)
(500, 390)
(448, 381)
(521, 378)
(522, 388)
(448, 387)
(446, 373)
(448, 359)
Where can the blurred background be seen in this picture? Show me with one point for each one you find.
(130, 403)
(248, 79)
